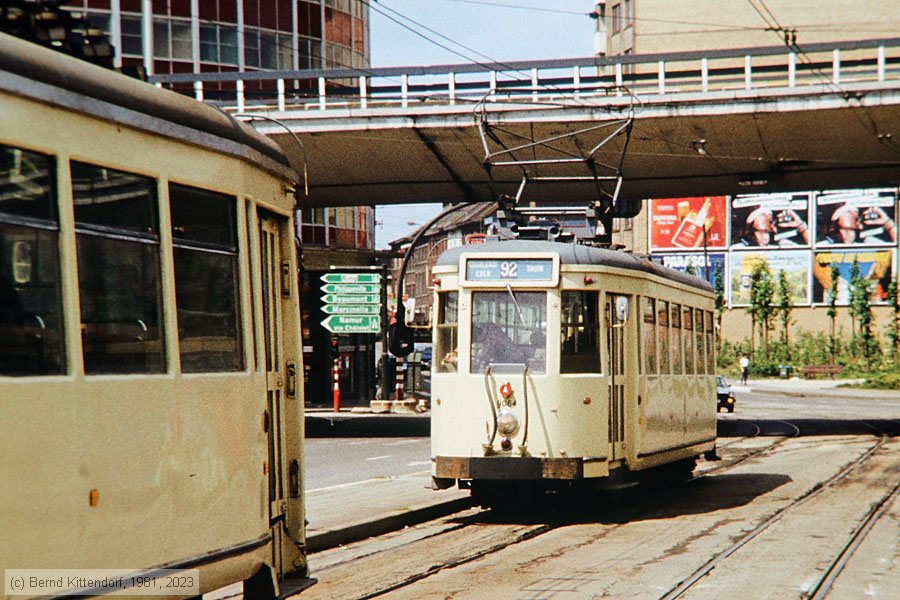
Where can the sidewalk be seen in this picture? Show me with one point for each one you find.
(806, 387)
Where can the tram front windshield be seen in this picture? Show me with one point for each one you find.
(509, 327)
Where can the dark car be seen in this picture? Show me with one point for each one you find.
(724, 394)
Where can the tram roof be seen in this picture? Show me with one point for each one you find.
(34, 63)
(575, 254)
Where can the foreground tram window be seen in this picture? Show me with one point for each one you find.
(508, 327)
(31, 340)
(206, 290)
(117, 236)
(579, 333)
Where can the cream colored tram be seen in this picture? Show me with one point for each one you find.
(559, 363)
(150, 413)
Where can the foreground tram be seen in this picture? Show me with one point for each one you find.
(150, 411)
(560, 364)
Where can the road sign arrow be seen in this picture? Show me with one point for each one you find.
(352, 323)
(351, 309)
(351, 299)
(351, 278)
(351, 288)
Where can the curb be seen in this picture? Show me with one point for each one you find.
(360, 531)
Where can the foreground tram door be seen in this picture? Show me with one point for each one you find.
(621, 382)
(283, 416)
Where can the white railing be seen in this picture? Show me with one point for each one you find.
(595, 80)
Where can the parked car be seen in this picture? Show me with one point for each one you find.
(725, 395)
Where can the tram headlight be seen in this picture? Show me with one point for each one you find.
(507, 422)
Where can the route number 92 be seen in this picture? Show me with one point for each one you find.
(509, 269)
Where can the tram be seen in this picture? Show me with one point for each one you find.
(150, 411)
(561, 366)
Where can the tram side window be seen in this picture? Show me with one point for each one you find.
(580, 332)
(447, 329)
(117, 236)
(710, 348)
(700, 343)
(662, 324)
(687, 323)
(509, 327)
(207, 299)
(31, 334)
(675, 330)
(649, 336)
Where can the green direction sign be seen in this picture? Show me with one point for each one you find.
(351, 309)
(352, 278)
(351, 288)
(352, 323)
(351, 299)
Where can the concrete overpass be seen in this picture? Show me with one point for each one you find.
(748, 120)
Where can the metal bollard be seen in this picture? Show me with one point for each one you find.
(336, 374)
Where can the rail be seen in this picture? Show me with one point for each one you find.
(604, 81)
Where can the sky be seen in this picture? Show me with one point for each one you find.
(488, 30)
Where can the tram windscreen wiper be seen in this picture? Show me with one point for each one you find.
(516, 302)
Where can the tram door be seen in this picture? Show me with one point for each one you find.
(270, 260)
(616, 332)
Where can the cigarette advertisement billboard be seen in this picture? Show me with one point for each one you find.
(794, 263)
(681, 262)
(856, 218)
(679, 223)
(770, 221)
(876, 265)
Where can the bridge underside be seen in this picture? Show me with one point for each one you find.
(692, 147)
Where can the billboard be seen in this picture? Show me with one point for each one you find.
(794, 263)
(770, 221)
(877, 265)
(680, 262)
(679, 223)
(856, 218)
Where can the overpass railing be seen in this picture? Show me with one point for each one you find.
(592, 80)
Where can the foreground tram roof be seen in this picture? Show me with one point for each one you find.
(574, 254)
(51, 77)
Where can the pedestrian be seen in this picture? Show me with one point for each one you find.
(745, 368)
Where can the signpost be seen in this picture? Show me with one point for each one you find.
(352, 301)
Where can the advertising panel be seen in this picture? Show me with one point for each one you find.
(877, 265)
(680, 262)
(770, 220)
(856, 218)
(679, 223)
(794, 263)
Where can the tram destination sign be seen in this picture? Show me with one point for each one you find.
(509, 269)
(352, 323)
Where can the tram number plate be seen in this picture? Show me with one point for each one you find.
(511, 269)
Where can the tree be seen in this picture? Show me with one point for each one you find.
(690, 269)
(861, 311)
(761, 309)
(785, 304)
(720, 304)
(893, 328)
(831, 300)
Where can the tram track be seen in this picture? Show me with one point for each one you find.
(688, 583)
(615, 517)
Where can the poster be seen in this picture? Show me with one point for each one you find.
(794, 263)
(770, 221)
(680, 262)
(679, 223)
(856, 218)
(877, 265)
